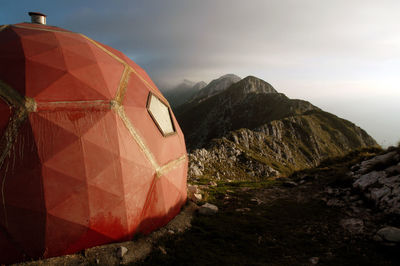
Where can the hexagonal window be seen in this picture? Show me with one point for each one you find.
(161, 115)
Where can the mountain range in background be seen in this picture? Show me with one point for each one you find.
(183, 92)
(214, 87)
(244, 128)
(190, 92)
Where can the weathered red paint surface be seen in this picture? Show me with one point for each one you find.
(85, 164)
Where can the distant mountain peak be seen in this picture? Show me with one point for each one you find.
(183, 91)
(199, 85)
(184, 84)
(216, 86)
(229, 76)
(251, 84)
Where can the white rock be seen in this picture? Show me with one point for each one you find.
(195, 171)
(208, 209)
(194, 193)
(197, 196)
(389, 233)
(121, 251)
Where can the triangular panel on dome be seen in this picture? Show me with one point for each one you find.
(58, 241)
(135, 200)
(104, 169)
(37, 42)
(12, 60)
(107, 213)
(75, 208)
(97, 81)
(74, 60)
(59, 187)
(136, 93)
(172, 197)
(176, 183)
(52, 58)
(73, 42)
(69, 87)
(36, 85)
(156, 212)
(111, 68)
(120, 56)
(47, 128)
(69, 161)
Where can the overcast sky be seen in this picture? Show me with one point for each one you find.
(343, 56)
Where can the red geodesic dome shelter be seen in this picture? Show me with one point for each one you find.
(90, 152)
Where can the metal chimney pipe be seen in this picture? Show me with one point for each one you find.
(38, 18)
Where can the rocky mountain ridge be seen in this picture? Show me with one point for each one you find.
(250, 130)
(215, 87)
(278, 148)
(248, 103)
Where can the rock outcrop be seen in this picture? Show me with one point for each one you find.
(378, 179)
(278, 147)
